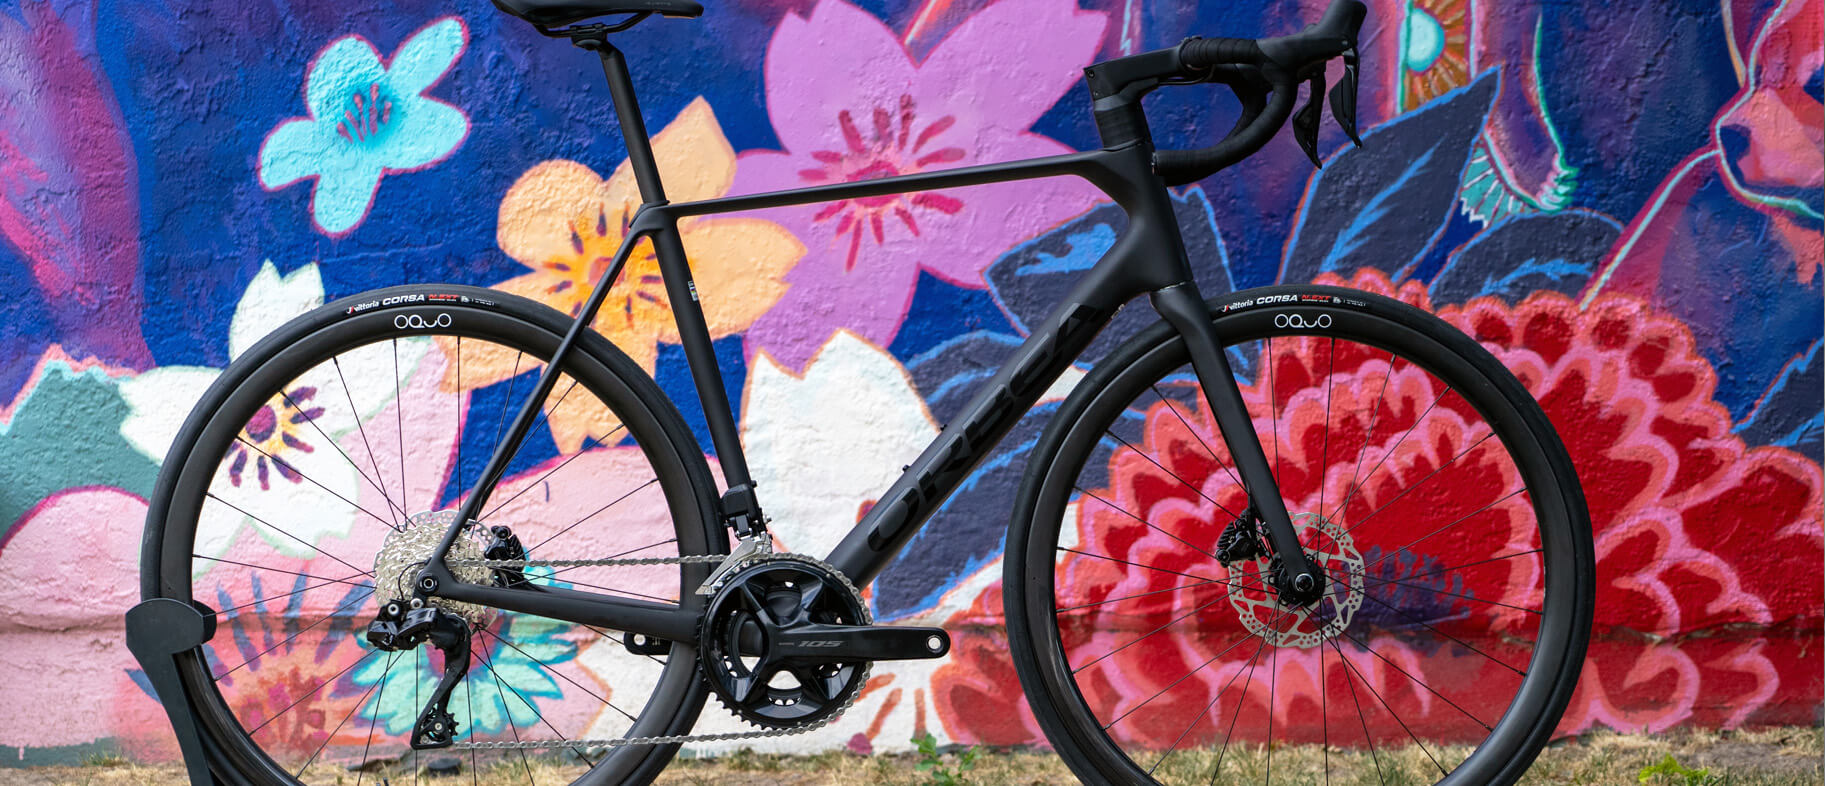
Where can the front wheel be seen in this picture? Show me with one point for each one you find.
(1421, 478)
(319, 471)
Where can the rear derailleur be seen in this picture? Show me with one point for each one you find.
(405, 624)
(400, 628)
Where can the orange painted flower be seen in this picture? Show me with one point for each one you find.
(564, 222)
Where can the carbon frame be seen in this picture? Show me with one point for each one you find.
(1147, 258)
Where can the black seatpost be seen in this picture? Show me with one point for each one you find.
(627, 112)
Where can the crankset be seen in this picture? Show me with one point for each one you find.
(787, 640)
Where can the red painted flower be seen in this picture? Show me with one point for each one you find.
(1694, 532)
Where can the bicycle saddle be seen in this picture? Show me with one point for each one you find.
(554, 13)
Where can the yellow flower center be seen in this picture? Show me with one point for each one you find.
(638, 297)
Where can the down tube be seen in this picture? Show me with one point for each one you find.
(966, 441)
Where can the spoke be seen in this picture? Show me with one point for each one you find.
(1150, 633)
(483, 657)
(1391, 450)
(279, 461)
(1223, 749)
(1139, 565)
(1381, 581)
(1459, 520)
(268, 525)
(1324, 707)
(1206, 712)
(345, 455)
(551, 669)
(282, 570)
(298, 591)
(1436, 571)
(1416, 680)
(545, 415)
(313, 692)
(417, 682)
(1360, 715)
(1194, 433)
(1273, 681)
(1428, 626)
(1056, 612)
(1151, 525)
(372, 461)
(288, 639)
(332, 734)
(1175, 476)
(1175, 683)
(469, 698)
(586, 447)
(486, 661)
(399, 417)
(1422, 482)
(458, 396)
(1324, 455)
(597, 512)
(372, 722)
(1369, 434)
(1396, 717)
(500, 418)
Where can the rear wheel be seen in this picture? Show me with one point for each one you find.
(358, 429)
(1423, 481)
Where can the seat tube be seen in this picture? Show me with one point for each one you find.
(706, 372)
(693, 331)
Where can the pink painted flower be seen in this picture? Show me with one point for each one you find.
(1707, 549)
(849, 103)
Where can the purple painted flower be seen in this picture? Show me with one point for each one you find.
(849, 103)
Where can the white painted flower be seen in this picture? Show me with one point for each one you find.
(286, 458)
(822, 445)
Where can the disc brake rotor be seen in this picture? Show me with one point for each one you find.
(1253, 597)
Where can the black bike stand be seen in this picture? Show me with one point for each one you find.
(158, 632)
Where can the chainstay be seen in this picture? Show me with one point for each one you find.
(580, 563)
(623, 742)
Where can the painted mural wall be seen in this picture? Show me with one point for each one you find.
(1630, 195)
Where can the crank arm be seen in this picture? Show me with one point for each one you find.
(846, 643)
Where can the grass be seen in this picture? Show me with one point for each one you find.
(1769, 757)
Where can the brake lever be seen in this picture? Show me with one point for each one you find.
(1343, 98)
(1305, 121)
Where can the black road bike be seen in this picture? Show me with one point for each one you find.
(1191, 581)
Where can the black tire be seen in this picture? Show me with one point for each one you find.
(1086, 625)
(651, 439)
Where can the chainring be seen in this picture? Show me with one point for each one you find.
(761, 686)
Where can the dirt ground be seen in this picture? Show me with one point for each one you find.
(1769, 757)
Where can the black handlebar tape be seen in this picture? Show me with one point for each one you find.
(1179, 167)
(1206, 52)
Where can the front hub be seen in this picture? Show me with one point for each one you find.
(1278, 607)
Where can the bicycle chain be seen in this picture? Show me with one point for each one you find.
(622, 742)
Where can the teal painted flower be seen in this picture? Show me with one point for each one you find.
(368, 118)
(509, 687)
